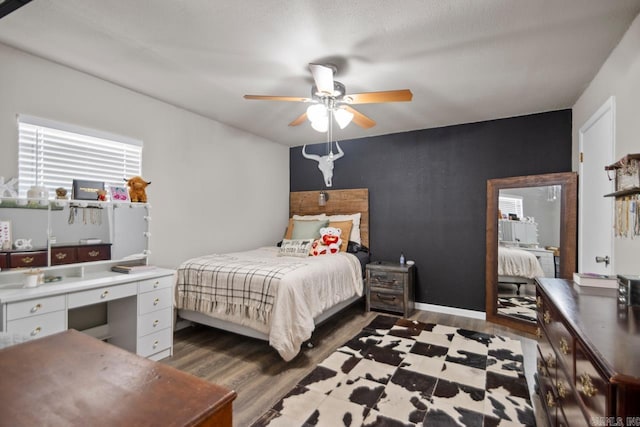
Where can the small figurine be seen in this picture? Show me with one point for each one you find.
(102, 195)
(61, 193)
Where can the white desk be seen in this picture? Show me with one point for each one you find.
(139, 307)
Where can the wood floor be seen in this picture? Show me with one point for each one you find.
(260, 377)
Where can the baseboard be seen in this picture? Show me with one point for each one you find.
(452, 310)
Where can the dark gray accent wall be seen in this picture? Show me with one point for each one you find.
(427, 192)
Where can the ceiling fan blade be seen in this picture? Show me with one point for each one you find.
(359, 118)
(401, 95)
(301, 119)
(278, 98)
(323, 77)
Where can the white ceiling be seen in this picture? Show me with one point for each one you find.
(464, 60)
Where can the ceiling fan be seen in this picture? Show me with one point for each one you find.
(330, 100)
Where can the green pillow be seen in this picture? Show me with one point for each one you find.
(307, 229)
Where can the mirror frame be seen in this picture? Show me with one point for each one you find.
(568, 236)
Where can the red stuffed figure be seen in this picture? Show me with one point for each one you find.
(328, 243)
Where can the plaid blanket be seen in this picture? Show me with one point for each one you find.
(226, 283)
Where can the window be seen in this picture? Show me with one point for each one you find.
(52, 155)
(510, 205)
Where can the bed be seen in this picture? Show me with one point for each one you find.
(517, 267)
(281, 299)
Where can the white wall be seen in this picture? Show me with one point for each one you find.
(620, 77)
(214, 188)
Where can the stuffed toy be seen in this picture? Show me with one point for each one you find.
(102, 195)
(328, 243)
(137, 187)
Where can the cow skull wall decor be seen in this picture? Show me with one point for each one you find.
(325, 163)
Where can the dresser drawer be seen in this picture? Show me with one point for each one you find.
(39, 326)
(61, 256)
(590, 386)
(152, 301)
(97, 295)
(153, 343)
(154, 284)
(4, 263)
(34, 307)
(28, 259)
(560, 338)
(567, 402)
(155, 321)
(545, 384)
(94, 253)
(386, 280)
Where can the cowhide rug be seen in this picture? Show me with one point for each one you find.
(521, 307)
(397, 372)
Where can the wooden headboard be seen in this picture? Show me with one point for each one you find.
(340, 202)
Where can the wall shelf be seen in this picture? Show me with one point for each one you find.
(624, 192)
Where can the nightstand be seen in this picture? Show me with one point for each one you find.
(391, 287)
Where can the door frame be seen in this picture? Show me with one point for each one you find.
(608, 106)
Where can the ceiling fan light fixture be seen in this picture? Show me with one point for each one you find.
(317, 112)
(343, 117)
(320, 125)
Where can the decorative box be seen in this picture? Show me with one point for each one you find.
(86, 190)
(627, 172)
(629, 289)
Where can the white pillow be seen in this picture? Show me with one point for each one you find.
(355, 230)
(310, 217)
(298, 248)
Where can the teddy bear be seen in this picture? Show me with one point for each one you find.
(102, 195)
(328, 243)
(137, 187)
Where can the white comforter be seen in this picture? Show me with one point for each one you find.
(518, 262)
(309, 287)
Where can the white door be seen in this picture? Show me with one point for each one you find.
(595, 220)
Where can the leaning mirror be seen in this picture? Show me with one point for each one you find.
(531, 232)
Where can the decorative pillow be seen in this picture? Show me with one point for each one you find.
(307, 229)
(345, 226)
(289, 230)
(298, 248)
(355, 230)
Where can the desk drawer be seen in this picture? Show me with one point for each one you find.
(155, 342)
(94, 253)
(61, 256)
(153, 301)
(97, 295)
(39, 326)
(28, 259)
(386, 279)
(158, 283)
(155, 321)
(34, 307)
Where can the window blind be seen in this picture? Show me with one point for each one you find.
(53, 155)
(510, 205)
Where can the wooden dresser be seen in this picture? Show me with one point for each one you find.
(588, 355)
(71, 379)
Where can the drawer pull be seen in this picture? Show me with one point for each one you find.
(36, 331)
(156, 301)
(588, 388)
(155, 285)
(551, 402)
(155, 344)
(104, 294)
(94, 253)
(538, 332)
(36, 307)
(541, 367)
(155, 323)
(564, 346)
(386, 297)
(562, 390)
(547, 317)
(61, 255)
(539, 301)
(551, 361)
(27, 259)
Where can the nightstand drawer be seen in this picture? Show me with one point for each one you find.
(386, 279)
(386, 300)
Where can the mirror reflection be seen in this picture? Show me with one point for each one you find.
(528, 246)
